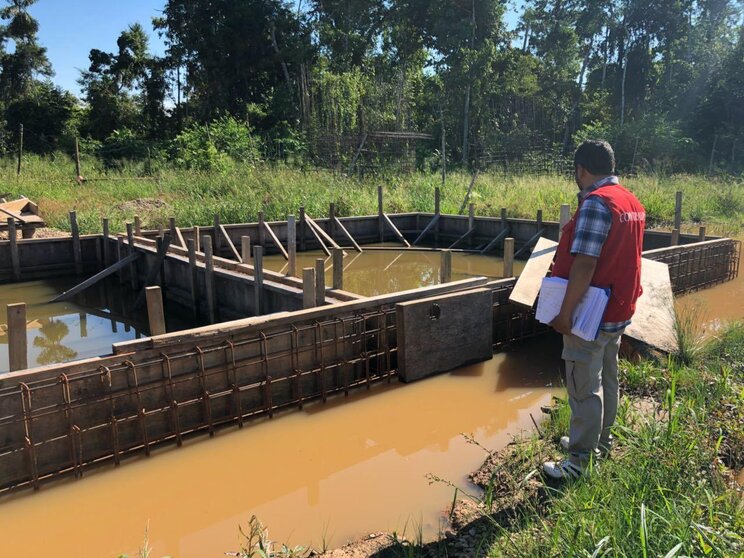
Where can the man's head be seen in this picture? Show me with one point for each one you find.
(594, 159)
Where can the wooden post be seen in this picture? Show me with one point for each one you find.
(564, 219)
(217, 236)
(504, 222)
(133, 266)
(444, 146)
(319, 282)
(209, 278)
(308, 287)
(303, 232)
(678, 211)
(172, 227)
(675, 237)
(137, 225)
(338, 268)
(76, 249)
(331, 217)
(17, 341)
(508, 257)
(261, 230)
(20, 149)
(539, 220)
(258, 279)
(78, 172)
(120, 255)
(701, 234)
(291, 245)
(380, 211)
(197, 238)
(155, 313)
(445, 270)
(245, 249)
(14, 256)
(106, 248)
(193, 277)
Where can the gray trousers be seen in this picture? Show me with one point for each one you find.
(593, 392)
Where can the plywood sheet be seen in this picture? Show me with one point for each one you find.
(528, 285)
(653, 322)
(442, 333)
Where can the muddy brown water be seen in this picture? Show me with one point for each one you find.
(375, 272)
(59, 332)
(321, 476)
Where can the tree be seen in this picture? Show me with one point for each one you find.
(28, 59)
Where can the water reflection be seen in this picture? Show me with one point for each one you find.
(52, 332)
(81, 328)
(375, 272)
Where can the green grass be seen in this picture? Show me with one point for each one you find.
(668, 490)
(241, 192)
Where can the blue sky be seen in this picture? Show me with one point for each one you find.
(70, 28)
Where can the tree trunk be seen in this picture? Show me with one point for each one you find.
(622, 93)
(466, 128)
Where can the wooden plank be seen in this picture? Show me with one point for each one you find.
(528, 285)
(245, 249)
(329, 241)
(106, 248)
(131, 250)
(314, 232)
(246, 325)
(442, 333)
(17, 340)
(531, 241)
(395, 230)
(275, 240)
(347, 234)
(468, 233)
(491, 245)
(431, 225)
(113, 268)
(653, 321)
(16, 206)
(14, 215)
(230, 244)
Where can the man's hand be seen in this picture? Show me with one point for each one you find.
(562, 323)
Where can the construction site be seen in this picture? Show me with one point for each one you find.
(187, 332)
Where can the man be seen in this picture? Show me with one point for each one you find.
(601, 246)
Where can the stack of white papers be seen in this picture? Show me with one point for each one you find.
(588, 314)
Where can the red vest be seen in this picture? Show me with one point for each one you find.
(619, 264)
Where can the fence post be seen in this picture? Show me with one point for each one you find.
(14, 256)
(701, 234)
(76, 248)
(209, 277)
(380, 223)
(78, 172)
(678, 211)
(445, 270)
(245, 249)
(20, 149)
(675, 237)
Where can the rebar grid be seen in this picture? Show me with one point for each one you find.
(702, 265)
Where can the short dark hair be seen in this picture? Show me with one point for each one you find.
(596, 156)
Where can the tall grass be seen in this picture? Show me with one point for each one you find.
(239, 193)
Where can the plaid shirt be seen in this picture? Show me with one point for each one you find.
(592, 227)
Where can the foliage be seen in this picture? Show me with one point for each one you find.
(215, 146)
